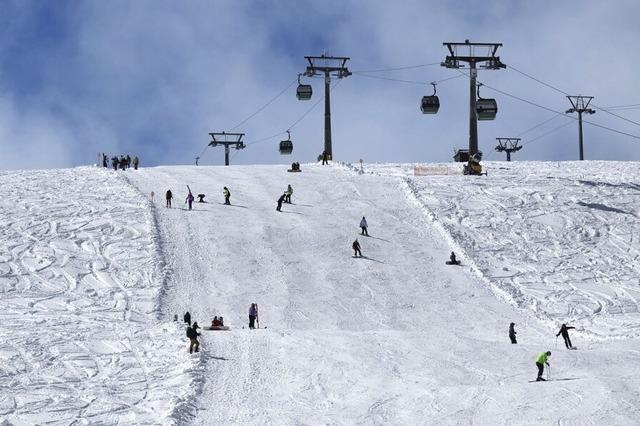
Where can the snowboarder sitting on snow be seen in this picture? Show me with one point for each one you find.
(540, 362)
(512, 333)
(452, 260)
(187, 318)
(253, 314)
(227, 195)
(192, 334)
(564, 330)
(288, 194)
(201, 198)
(280, 200)
(363, 226)
(356, 248)
(169, 196)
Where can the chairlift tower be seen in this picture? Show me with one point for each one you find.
(227, 139)
(331, 67)
(580, 105)
(508, 145)
(472, 54)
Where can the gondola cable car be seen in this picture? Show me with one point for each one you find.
(286, 147)
(304, 91)
(430, 104)
(486, 109)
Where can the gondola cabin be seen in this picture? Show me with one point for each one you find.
(286, 147)
(486, 109)
(304, 92)
(430, 104)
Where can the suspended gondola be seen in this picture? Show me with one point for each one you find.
(286, 147)
(304, 91)
(430, 104)
(486, 109)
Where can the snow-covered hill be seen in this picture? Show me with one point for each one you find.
(397, 337)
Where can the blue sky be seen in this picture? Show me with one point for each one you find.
(152, 78)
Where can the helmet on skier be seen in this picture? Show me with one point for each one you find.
(548, 353)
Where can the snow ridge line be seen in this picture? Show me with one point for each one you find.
(182, 409)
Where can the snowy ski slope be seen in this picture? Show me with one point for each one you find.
(92, 272)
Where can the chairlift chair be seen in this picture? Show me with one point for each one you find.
(286, 147)
(430, 104)
(304, 91)
(486, 109)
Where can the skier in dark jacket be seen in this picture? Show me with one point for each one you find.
(280, 200)
(114, 163)
(128, 161)
(512, 333)
(324, 158)
(356, 248)
(187, 318)
(227, 195)
(253, 314)
(104, 160)
(169, 196)
(193, 334)
(564, 330)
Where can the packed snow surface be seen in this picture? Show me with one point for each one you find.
(93, 271)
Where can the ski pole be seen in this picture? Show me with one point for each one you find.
(548, 372)
(257, 316)
(556, 342)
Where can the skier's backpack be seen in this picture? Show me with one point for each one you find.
(189, 332)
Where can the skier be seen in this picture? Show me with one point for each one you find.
(169, 196)
(104, 160)
(189, 199)
(324, 158)
(288, 193)
(540, 362)
(187, 318)
(153, 194)
(564, 330)
(512, 333)
(356, 248)
(193, 334)
(253, 315)
(227, 195)
(114, 162)
(136, 161)
(363, 225)
(280, 200)
(123, 162)
(128, 161)
(452, 260)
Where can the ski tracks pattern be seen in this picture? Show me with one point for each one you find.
(79, 340)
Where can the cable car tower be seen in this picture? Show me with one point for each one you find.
(508, 145)
(580, 105)
(222, 138)
(473, 54)
(331, 67)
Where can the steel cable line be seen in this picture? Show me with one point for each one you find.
(293, 124)
(553, 110)
(547, 133)
(419, 83)
(565, 93)
(398, 68)
(537, 125)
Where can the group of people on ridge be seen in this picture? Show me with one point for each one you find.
(122, 163)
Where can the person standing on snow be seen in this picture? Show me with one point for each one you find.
(512, 333)
(104, 160)
(169, 196)
(187, 318)
(564, 330)
(253, 314)
(193, 334)
(280, 200)
(540, 362)
(363, 226)
(356, 248)
(136, 162)
(227, 195)
(288, 194)
(324, 158)
(189, 199)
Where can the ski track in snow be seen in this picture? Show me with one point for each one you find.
(80, 341)
(399, 337)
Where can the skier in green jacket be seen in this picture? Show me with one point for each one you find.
(540, 362)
